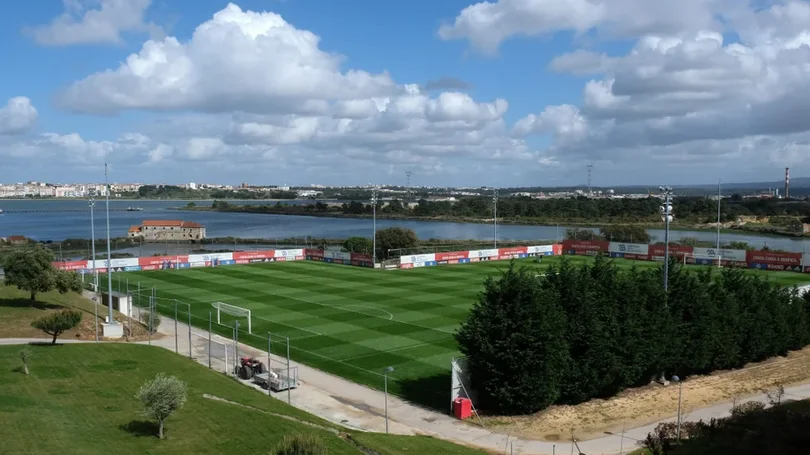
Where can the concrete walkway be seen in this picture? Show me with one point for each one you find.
(352, 405)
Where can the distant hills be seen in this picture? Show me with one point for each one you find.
(795, 182)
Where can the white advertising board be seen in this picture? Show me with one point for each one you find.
(806, 259)
(629, 248)
(417, 258)
(331, 254)
(116, 263)
(293, 253)
(192, 258)
(724, 254)
(540, 249)
(483, 253)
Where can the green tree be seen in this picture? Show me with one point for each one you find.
(31, 269)
(58, 323)
(514, 338)
(358, 245)
(394, 238)
(160, 397)
(191, 205)
(626, 233)
(582, 234)
(300, 444)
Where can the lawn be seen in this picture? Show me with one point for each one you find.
(79, 399)
(350, 321)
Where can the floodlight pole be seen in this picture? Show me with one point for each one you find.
(495, 218)
(385, 375)
(717, 250)
(374, 225)
(666, 214)
(109, 253)
(680, 396)
(92, 203)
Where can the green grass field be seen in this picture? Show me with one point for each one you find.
(351, 321)
(79, 399)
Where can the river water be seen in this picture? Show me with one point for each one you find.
(58, 226)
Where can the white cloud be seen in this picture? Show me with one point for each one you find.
(80, 24)
(692, 97)
(487, 24)
(17, 116)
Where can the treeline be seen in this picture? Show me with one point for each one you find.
(573, 210)
(176, 192)
(578, 332)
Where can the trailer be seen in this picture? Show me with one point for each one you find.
(277, 379)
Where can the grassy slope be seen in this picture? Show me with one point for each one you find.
(80, 399)
(351, 321)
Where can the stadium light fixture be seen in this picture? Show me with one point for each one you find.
(680, 395)
(667, 217)
(385, 375)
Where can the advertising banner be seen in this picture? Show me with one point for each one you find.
(557, 249)
(210, 257)
(115, 263)
(248, 255)
(726, 255)
(483, 254)
(768, 260)
(73, 265)
(406, 266)
(314, 252)
(289, 253)
(585, 247)
(161, 262)
(629, 248)
(337, 256)
(150, 267)
(512, 251)
(363, 260)
(540, 249)
(417, 258)
(658, 252)
(452, 257)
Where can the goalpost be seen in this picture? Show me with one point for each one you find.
(233, 310)
(714, 261)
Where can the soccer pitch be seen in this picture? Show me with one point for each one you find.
(351, 321)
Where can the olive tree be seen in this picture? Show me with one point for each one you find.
(160, 397)
(31, 270)
(25, 356)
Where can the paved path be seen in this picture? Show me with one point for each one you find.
(344, 402)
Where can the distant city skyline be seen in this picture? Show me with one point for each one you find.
(504, 93)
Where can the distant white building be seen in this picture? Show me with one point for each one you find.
(192, 186)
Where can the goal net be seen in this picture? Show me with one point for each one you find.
(229, 313)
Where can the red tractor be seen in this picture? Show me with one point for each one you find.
(248, 367)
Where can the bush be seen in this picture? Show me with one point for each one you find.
(58, 323)
(144, 317)
(300, 444)
(162, 396)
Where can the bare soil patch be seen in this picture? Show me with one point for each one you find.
(645, 405)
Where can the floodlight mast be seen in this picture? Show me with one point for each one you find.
(92, 204)
(374, 224)
(109, 254)
(667, 217)
(495, 218)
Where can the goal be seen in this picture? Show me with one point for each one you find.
(233, 310)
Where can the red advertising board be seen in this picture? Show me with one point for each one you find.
(771, 258)
(452, 256)
(406, 266)
(314, 252)
(512, 251)
(585, 247)
(150, 267)
(658, 252)
(248, 255)
(557, 249)
(72, 265)
(358, 258)
(159, 261)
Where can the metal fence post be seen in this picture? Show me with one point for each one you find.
(176, 347)
(209, 341)
(127, 285)
(268, 363)
(289, 393)
(236, 345)
(149, 325)
(188, 308)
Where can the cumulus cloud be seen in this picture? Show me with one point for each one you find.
(80, 24)
(691, 96)
(487, 24)
(264, 94)
(17, 116)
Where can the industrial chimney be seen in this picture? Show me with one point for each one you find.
(787, 183)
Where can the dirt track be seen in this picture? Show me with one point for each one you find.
(644, 405)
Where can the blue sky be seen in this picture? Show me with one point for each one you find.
(530, 92)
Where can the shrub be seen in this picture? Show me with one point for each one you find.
(300, 444)
(144, 317)
(161, 397)
(58, 323)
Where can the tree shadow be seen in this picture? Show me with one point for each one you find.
(141, 428)
(26, 303)
(431, 392)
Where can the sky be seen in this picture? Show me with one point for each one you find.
(502, 93)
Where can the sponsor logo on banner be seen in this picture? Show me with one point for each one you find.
(540, 249)
(133, 268)
(160, 260)
(453, 255)
(631, 248)
(338, 255)
(289, 253)
(210, 257)
(314, 252)
(513, 251)
(483, 254)
(417, 258)
(115, 263)
(197, 264)
(406, 266)
(243, 255)
(722, 253)
(74, 265)
(150, 267)
(596, 246)
(767, 257)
